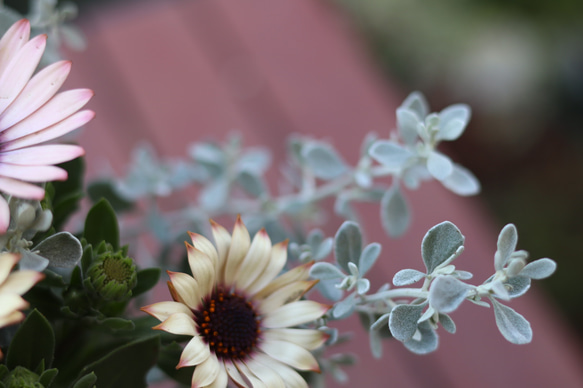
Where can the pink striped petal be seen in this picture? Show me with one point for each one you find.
(61, 128)
(4, 215)
(295, 313)
(21, 189)
(33, 173)
(44, 154)
(163, 310)
(58, 108)
(12, 41)
(290, 354)
(39, 90)
(20, 69)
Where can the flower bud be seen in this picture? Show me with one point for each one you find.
(112, 276)
(21, 377)
(515, 266)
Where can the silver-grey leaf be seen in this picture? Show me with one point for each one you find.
(539, 269)
(447, 323)
(368, 257)
(428, 342)
(462, 182)
(507, 240)
(323, 271)
(348, 245)
(517, 286)
(323, 160)
(395, 213)
(407, 276)
(344, 308)
(513, 326)
(390, 154)
(439, 243)
(63, 250)
(403, 320)
(447, 293)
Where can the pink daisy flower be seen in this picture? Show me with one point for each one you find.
(31, 113)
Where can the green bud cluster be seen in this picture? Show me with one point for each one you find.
(21, 377)
(111, 275)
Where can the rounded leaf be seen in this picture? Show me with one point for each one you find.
(323, 160)
(395, 213)
(407, 276)
(403, 320)
(447, 293)
(539, 269)
(462, 182)
(439, 244)
(389, 153)
(513, 326)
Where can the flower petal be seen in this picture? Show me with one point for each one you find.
(203, 269)
(178, 323)
(57, 130)
(44, 154)
(4, 215)
(286, 294)
(7, 262)
(10, 303)
(10, 319)
(162, 310)
(234, 374)
(223, 242)
(12, 41)
(21, 189)
(203, 244)
(273, 268)
(290, 354)
(306, 338)
(265, 373)
(292, 378)
(255, 260)
(301, 272)
(33, 173)
(187, 289)
(254, 380)
(222, 378)
(39, 90)
(20, 282)
(19, 70)
(240, 243)
(206, 372)
(194, 353)
(295, 313)
(57, 109)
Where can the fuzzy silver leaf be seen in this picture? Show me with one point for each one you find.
(513, 326)
(407, 276)
(539, 269)
(403, 320)
(439, 244)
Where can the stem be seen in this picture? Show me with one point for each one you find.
(397, 293)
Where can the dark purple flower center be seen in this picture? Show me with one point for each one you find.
(229, 324)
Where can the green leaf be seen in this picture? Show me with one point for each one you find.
(87, 381)
(348, 245)
(117, 324)
(68, 193)
(47, 377)
(101, 225)
(439, 244)
(127, 365)
(33, 342)
(105, 189)
(147, 279)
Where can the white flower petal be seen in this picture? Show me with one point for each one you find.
(57, 109)
(203, 269)
(203, 244)
(240, 243)
(206, 372)
(301, 272)
(222, 378)
(273, 268)
(295, 313)
(39, 90)
(33, 173)
(265, 374)
(286, 294)
(52, 132)
(178, 323)
(255, 260)
(194, 353)
(21, 189)
(223, 241)
(20, 282)
(187, 288)
(234, 374)
(7, 262)
(162, 310)
(292, 378)
(306, 338)
(44, 154)
(290, 354)
(10, 303)
(254, 380)
(10, 319)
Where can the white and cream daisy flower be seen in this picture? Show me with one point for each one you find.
(12, 286)
(31, 113)
(243, 318)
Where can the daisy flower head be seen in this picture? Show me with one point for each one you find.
(241, 315)
(31, 113)
(12, 286)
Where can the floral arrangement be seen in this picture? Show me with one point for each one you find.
(250, 309)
